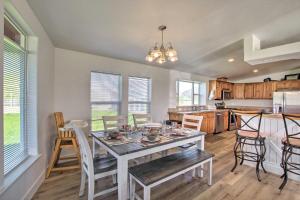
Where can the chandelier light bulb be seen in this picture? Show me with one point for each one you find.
(173, 59)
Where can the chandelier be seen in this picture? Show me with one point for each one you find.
(162, 54)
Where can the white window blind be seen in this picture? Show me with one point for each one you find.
(14, 98)
(139, 96)
(105, 97)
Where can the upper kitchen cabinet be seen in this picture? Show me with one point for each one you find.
(258, 90)
(239, 90)
(288, 85)
(269, 88)
(248, 91)
(216, 87)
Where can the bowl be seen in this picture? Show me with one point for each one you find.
(113, 134)
(152, 137)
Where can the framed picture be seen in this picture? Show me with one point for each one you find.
(292, 77)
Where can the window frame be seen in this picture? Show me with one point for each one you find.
(149, 102)
(193, 92)
(118, 103)
(24, 104)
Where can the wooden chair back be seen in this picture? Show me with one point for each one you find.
(60, 123)
(140, 119)
(113, 122)
(59, 120)
(292, 128)
(192, 121)
(85, 151)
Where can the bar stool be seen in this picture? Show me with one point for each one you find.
(248, 135)
(291, 146)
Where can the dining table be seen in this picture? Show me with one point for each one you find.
(133, 145)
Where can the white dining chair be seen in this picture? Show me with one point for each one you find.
(113, 122)
(94, 168)
(192, 122)
(141, 119)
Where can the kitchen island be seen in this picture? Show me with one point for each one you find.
(272, 126)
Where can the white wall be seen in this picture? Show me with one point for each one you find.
(72, 82)
(28, 182)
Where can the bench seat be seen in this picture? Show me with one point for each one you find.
(163, 169)
(158, 169)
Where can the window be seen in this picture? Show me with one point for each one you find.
(14, 95)
(105, 97)
(189, 93)
(139, 96)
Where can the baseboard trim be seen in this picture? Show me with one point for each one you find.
(35, 186)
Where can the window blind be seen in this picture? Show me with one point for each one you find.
(139, 95)
(14, 97)
(105, 97)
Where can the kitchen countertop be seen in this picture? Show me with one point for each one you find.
(199, 111)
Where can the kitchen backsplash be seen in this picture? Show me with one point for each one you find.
(245, 102)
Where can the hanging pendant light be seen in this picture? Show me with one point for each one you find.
(162, 54)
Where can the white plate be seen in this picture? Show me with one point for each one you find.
(145, 139)
(153, 125)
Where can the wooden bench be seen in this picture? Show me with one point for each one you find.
(161, 170)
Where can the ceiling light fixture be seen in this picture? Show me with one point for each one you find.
(162, 54)
(230, 60)
(255, 70)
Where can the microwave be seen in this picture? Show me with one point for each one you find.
(226, 94)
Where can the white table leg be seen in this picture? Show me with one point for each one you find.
(131, 188)
(147, 193)
(210, 172)
(200, 145)
(122, 178)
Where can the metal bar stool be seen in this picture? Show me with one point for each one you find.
(247, 136)
(291, 146)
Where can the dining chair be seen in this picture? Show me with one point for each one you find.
(65, 139)
(94, 168)
(113, 122)
(249, 136)
(141, 119)
(192, 122)
(291, 147)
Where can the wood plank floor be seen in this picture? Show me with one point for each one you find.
(241, 185)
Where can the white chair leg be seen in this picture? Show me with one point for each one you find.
(210, 172)
(147, 193)
(114, 177)
(131, 188)
(82, 182)
(91, 187)
(94, 147)
(194, 173)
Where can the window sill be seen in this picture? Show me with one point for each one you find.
(17, 172)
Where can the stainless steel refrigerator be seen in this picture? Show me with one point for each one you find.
(286, 102)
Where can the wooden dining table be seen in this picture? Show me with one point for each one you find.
(135, 147)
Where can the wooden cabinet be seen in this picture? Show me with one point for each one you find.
(248, 92)
(258, 90)
(218, 87)
(238, 91)
(263, 90)
(208, 122)
(269, 88)
(288, 85)
(226, 113)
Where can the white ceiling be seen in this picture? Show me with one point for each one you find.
(204, 32)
